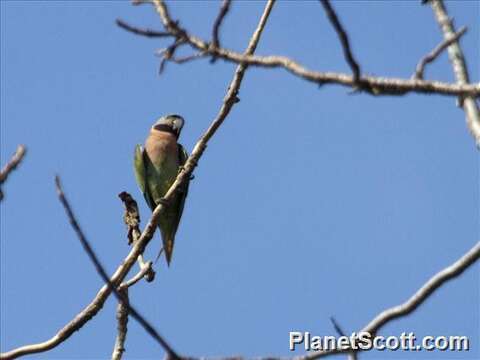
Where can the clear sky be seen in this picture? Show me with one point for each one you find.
(309, 202)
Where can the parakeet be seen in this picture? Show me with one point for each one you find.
(156, 168)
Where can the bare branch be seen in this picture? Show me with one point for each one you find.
(122, 321)
(187, 58)
(337, 326)
(216, 25)
(342, 35)
(430, 57)
(103, 274)
(12, 165)
(352, 355)
(131, 218)
(457, 59)
(376, 85)
(143, 32)
(146, 271)
(413, 303)
(169, 53)
(138, 247)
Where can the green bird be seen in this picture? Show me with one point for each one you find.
(156, 167)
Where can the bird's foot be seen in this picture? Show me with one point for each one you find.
(164, 202)
(181, 168)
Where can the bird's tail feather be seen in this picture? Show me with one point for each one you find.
(159, 254)
(167, 247)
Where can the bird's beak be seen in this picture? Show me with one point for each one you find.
(177, 126)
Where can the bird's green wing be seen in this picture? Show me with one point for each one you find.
(139, 164)
(182, 156)
(172, 215)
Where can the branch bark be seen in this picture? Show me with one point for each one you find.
(342, 35)
(122, 321)
(144, 32)
(459, 66)
(217, 23)
(11, 165)
(431, 56)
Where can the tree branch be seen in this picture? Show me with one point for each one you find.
(413, 303)
(342, 35)
(139, 246)
(430, 57)
(457, 59)
(11, 165)
(131, 218)
(216, 25)
(122, 321)
(145, 271)
(138, 31)
(352, 355)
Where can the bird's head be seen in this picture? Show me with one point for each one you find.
(169, 123)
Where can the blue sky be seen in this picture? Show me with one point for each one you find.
(309, 202)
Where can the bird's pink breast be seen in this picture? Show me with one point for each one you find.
(162, 147)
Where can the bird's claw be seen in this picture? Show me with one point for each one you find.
(164, 202)
(181, 168)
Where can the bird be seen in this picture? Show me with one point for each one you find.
(156, 167)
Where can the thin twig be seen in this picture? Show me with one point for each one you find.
(352, 355)
(122, 321)
(139, 246)
(139, 31)
(168, 53)
(103, 274)
(336, 326)
(12, 165)
(459, 66)
(224, 8)
(342, 35)
(430, 57)
(144, 271)
(440, 278)
(187, 58)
